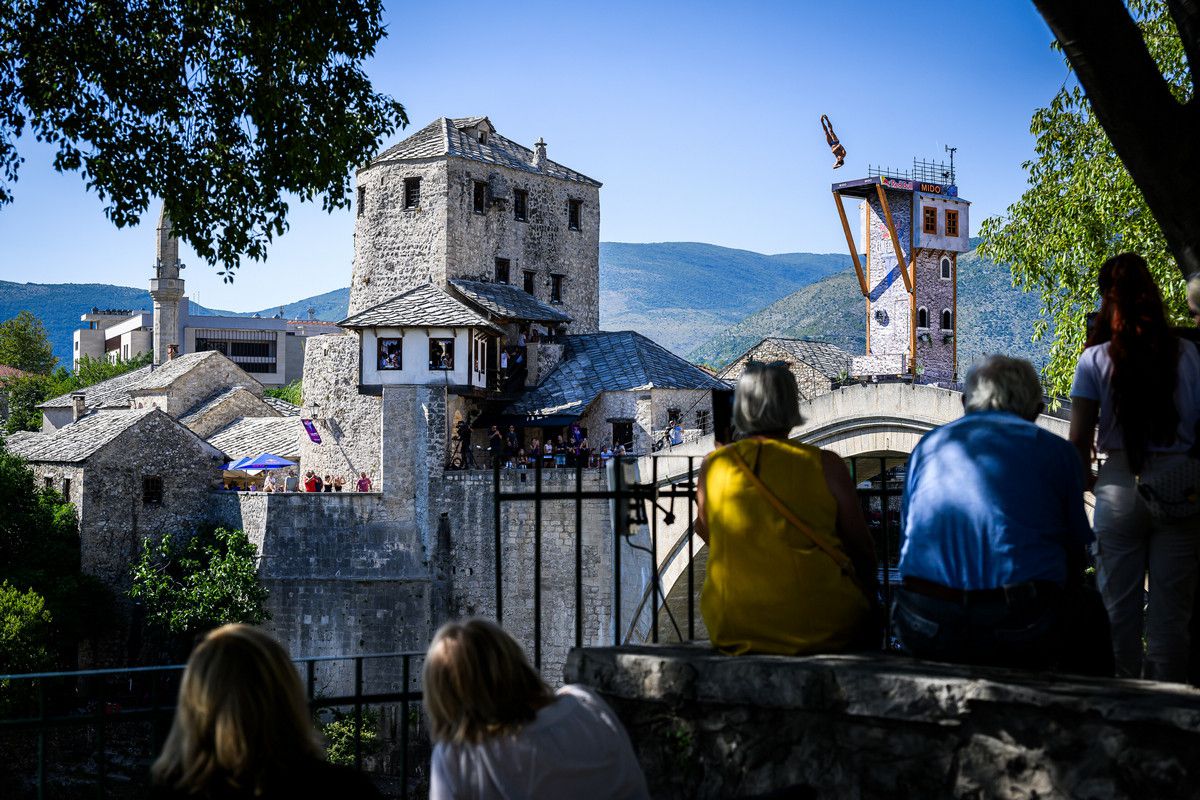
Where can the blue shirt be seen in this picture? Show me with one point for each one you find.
(991, 500)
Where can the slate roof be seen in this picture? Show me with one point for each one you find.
(164, 375)
(282, 406)
(252, 436)
(828, 359)
(204, 406)
(508, 301)
(422, 307)
(450, 137)
(112, 393)
(79, 440)
(604, 362)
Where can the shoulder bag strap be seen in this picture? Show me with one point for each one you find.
(838, 557)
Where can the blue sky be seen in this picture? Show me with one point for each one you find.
(701, 119)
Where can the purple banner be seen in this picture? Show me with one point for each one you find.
(312, 430)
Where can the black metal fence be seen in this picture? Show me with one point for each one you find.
(94, 733)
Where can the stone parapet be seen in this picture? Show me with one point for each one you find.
(705, 725)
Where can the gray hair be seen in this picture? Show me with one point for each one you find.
(1001, 383)
(1193, 289)
(766, 400)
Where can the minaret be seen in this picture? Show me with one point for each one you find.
(166, 288)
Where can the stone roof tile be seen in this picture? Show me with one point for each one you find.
(605, 362)
(422, 307)
(214, 400)
(449, 137)
(284, 408)
(253, 436)
(508, 301)
(112, 393)
(828, 359)
(79, 440)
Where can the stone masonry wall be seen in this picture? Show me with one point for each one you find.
(809, 382)
(195, 386)
(887, 293)
(875, 727)
(349, 422)
(240, 403)
(935, 356)
(396, 248)
(544, 244)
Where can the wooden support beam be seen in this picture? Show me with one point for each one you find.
(891, 226)
(862, 281)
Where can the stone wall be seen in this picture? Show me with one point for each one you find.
(198, 384)
(935, 351)
(705, 725)
(241, 402)
(349, 423)
(890, 331)
(396, 248)
(544, 244)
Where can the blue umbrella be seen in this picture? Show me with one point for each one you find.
(262, 461)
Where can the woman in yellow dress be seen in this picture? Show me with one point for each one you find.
(791, 564)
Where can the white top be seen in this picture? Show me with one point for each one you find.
(1093, 381)
(575, 748)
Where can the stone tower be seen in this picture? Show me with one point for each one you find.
(458, 200)
(913, 226)
(166, 289)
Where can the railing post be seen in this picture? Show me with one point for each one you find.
(537, 570)
(693, 484)
(358, 673)
(404, 729)
(498, 543)
(578, 555)
(41, 740)
(618, 520)
(653, 549)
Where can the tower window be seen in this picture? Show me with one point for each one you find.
(521, 205)
(951, 222)
(479, 197)
(412, 192)
(530, 277)
(947, 268)
(152, 490)
(929, 220)
(502, 270)
(556, 284)
(922, 317)
(362, 199)
(573, 209)
(947, 320)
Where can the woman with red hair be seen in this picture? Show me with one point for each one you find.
(1140, 385)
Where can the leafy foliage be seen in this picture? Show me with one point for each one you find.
(292, 393)
(39, 552)
(24, 630)
(220, 108)
(194, 584)
(26, 393)
(1081, 208)
(339, 736)
(23, 344)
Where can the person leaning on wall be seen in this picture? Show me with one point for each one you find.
(791, 565)
(243, 730)
(500, 732)
(994, 537)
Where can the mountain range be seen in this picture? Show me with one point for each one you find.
(707, 302)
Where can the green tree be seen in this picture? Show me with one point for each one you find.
(192, 584)
(222, 109)
(1081, 208)
(292, 393)
(24, 630)
(24, 345)
(39, 552)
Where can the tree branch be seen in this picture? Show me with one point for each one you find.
(1186, 14)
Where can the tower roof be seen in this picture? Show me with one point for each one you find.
(460, 138)
(422, 307)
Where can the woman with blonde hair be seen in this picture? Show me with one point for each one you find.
(243, 730)
(500, 732)
(791, 566)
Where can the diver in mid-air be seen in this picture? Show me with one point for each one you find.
(839, 152)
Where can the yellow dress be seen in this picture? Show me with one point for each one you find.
(769, 587)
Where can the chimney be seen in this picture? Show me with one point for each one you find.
(539, 153)
(78, 405)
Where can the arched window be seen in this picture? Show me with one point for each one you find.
(922, 317)
(947, 320)
(947, 268)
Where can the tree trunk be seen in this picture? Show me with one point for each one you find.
(1156, 137)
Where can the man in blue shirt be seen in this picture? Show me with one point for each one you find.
(995, 534)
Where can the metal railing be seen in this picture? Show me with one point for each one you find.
(131, 710)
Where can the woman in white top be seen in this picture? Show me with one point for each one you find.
(1140, 385)
(500, 732)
